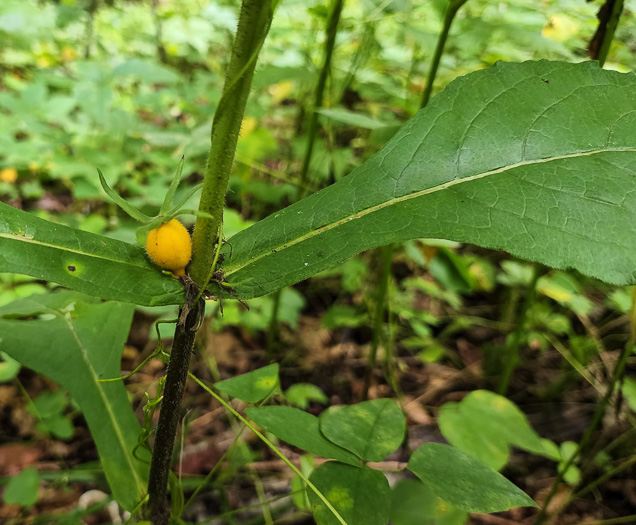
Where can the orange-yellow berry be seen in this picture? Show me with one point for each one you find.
(170, 247)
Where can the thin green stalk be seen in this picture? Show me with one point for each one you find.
(262, 499)
(360, 57)
(613, 521)
(598, 481)
(254, 23)
(584, 444)
(89, 28)
(272, 173)
(272, 447)
(602, 479)
(161, 50)
(232, 512)
(512, 349)
(332, 29)
(386, 253)
(449, 16)
(273, 330)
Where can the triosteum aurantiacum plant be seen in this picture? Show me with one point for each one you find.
(537, 159)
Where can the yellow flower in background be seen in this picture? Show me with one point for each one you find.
(281, 91)
(560, 28)
(247, 126)
(9, 175)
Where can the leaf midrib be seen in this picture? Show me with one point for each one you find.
(21, 238)
(415, 195)
(111, 416)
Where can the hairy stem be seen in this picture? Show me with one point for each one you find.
(170, 416)
(253, 26)
(254, 22)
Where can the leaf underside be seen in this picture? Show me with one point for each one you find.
(537, 159)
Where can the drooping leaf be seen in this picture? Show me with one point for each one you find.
(82, 261)
(372, 429)
(79, 343)
(300, 429)
(463, 481)
(537, 158)
(360, 495)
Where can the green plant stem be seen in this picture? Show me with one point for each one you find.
(512, 349)
(449, 16)
(360, 57)
(609, 29)
(386, 253)
(602, 479)
(598, 413)
(161, 50)
(169, 417)
(89, 28)
(598, 481)
(332, 29)
(273, 330)
(254, 22)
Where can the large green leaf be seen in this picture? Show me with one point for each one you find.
(463, 481)
(537, 158)
(83, 261)
(75, 343)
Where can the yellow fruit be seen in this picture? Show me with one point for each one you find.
(169, 246)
